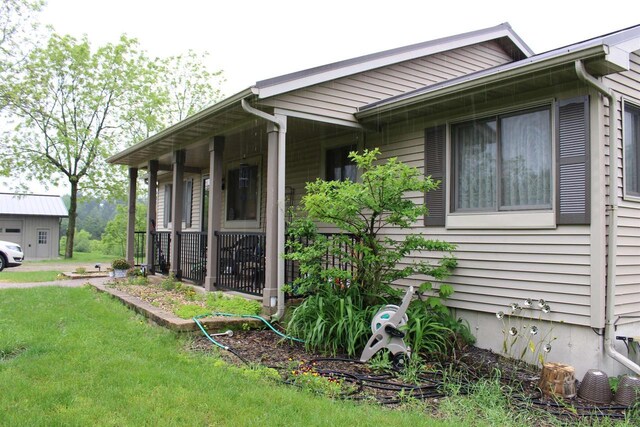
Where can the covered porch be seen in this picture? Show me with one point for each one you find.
(220, 185)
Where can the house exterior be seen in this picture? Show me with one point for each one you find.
(32, 221)
(522, 144)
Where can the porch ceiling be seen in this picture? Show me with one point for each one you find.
(196, 131)
(236, 125)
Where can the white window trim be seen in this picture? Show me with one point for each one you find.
(636, 104)
(516, 219)
(243, 224)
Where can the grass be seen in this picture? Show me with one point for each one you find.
(70, 356)
(84, 257)
(28, 276)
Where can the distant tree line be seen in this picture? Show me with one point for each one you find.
(101, 225)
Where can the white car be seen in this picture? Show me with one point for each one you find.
(11, 254)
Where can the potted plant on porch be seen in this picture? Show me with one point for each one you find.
(120, 267)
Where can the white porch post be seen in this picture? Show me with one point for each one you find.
(176, 209)
(275, 207)
(131, 219)
(214, 218)
(271, 213)
(152, 168)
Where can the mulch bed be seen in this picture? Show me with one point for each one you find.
(265, 348)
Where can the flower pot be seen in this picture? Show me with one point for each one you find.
(119, 274)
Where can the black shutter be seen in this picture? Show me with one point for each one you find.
(572, 204)
(434, 165)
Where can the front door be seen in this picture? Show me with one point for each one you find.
(43, 246)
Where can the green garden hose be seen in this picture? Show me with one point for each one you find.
(245, 316)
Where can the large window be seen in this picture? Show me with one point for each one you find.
(338, 165)
(242, 193)
(503, 163)
(631, 150)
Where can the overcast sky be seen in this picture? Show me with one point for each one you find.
(255, 40)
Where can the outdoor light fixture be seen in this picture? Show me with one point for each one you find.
(97, 266)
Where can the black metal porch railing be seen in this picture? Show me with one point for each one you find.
(140, 247)
(161, 252)
(192, 262)
(241, 261)
(241, 258)
(292, 268)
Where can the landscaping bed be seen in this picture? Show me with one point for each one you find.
(434, 382)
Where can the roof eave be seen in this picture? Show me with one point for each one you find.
(462, 84)
(189, 121)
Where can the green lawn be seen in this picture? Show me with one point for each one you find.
(77, 257)
(70, 356)
(28, 276)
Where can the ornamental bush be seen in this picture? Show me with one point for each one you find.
(344, 297)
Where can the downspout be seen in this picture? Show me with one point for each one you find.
(282, 129)
(612, 237)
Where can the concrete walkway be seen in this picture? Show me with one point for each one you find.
(71, 283)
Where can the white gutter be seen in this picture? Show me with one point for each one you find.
(282, 129)
(612, 237)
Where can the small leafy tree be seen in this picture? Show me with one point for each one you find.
(345, 297)
(364, 211)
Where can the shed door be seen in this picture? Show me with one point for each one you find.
(11, 231)
(43, 243)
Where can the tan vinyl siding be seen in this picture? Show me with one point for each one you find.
(626, 84)
(498, 267)
(341, 98)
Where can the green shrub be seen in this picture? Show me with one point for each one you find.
(82, 241)
(170, 283)
(338, 313)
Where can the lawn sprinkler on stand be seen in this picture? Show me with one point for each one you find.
(385, 327)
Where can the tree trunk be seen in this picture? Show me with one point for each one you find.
(73, 205)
